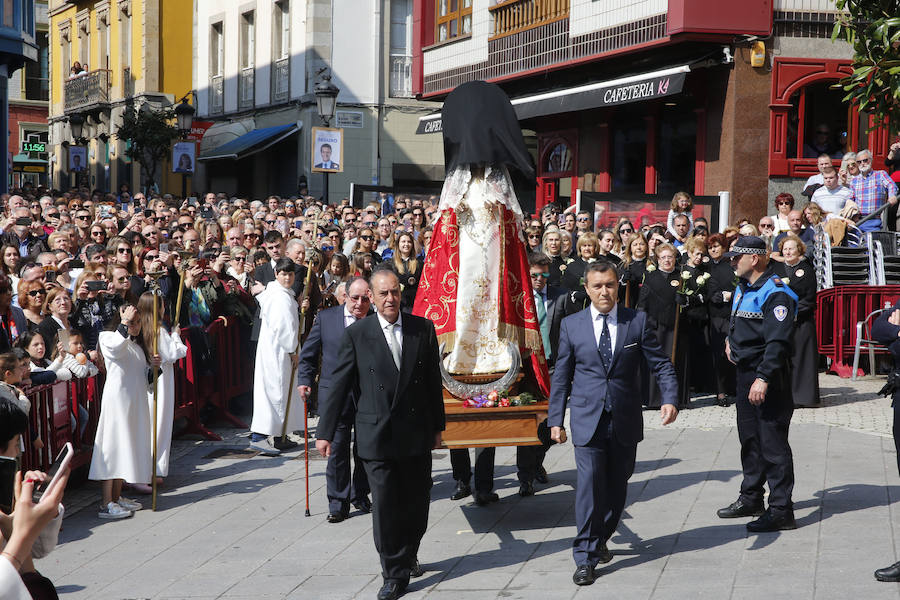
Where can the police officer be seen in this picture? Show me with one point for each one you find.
(759, 343)
(886, 331)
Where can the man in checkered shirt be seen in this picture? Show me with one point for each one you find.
(871, 189)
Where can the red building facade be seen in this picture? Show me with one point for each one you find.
(637, 102)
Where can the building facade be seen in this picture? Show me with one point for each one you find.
(257, 64)
(132, 53)
(635, 101)
(29, 91)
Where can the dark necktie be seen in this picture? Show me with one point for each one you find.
(605, 346)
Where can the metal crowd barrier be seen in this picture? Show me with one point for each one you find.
(55, 417)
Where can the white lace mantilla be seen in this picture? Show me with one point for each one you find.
(497, 188)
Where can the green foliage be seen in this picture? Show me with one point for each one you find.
(151, 132)
(872, 28)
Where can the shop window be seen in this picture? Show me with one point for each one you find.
(676, 151)
(453, 18)
(628, 155)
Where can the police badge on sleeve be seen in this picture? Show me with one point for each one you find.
(781, 312)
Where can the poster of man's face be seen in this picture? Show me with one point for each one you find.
(77, 158)
(326, 150)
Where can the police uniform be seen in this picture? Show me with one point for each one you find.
(760, 337)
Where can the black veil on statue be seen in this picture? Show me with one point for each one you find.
(480, 128)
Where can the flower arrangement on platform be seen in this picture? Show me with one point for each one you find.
(495, 399)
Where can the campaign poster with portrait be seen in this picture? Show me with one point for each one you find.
(183, 157)
(77, 158)
(327, 150)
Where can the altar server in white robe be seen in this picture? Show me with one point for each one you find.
(170, 349)
(121, 446)
(275, 354)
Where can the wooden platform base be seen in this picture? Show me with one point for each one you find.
(486, 427)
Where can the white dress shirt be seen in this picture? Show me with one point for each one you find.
(612, 321)
(397, 331)
(348, 318)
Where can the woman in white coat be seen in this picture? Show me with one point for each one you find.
(170, 350)
(123, 431)
(275, 354)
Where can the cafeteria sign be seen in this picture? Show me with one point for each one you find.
(657, 87)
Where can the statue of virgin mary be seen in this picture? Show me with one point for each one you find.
(475, 284)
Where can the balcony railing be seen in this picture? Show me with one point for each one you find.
(513, 16)
(87, 91)
(401, 77)
(246, 91)
(216, 95)
(281, 80)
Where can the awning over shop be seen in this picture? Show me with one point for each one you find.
(251, 142)
(634, 88)
(22, 163)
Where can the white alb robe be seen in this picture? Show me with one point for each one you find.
(271, 376)
(121, 446)
(171, 349)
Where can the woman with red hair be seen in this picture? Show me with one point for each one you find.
(784, 204)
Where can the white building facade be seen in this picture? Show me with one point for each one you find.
(256, 65)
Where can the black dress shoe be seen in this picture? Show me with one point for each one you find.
(891, 573)
(391, 590)
(740, 508)
(584, 575)
(483, 498)
(363, 505)
(541, 476)
(462, 490)
(336, 517)
(287, 444)
(526, 488)
(771, 521)
(603, 554)
(416, 570)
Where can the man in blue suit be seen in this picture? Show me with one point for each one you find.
(324, 340)
(596, 375)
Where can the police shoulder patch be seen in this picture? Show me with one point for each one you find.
(780, 312)
(777, 280)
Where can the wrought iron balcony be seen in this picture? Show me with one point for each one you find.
(281, 79)
(87, 91)
(513, 16)
(216, 95)
(246, 88)
(401, 77)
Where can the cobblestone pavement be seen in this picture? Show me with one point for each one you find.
(234, 528)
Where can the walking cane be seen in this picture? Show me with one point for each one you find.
(155, 348)
(628, 294)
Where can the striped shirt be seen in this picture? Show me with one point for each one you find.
(872, 190)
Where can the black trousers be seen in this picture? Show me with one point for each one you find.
(484, 468)
(603, 468)
(763, 431)
(724, 369)
(401, 494)
(896, 429)
(530, 459)
(342, 487)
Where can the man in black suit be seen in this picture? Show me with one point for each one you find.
(530, 459)
(323, 341)
(389, 362)
(596, 376)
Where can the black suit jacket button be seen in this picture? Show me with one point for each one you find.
(371, 370)
(380, 387)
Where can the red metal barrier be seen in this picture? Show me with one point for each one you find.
(838, 310)
(55, 417)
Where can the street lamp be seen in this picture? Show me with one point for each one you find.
(326, 100)
(76, 123)
(184, 114)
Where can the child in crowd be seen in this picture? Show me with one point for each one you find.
(14, 366)
(682, 204)
(75, 359)
(42, 370)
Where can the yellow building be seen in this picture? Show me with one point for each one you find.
(132, 53)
